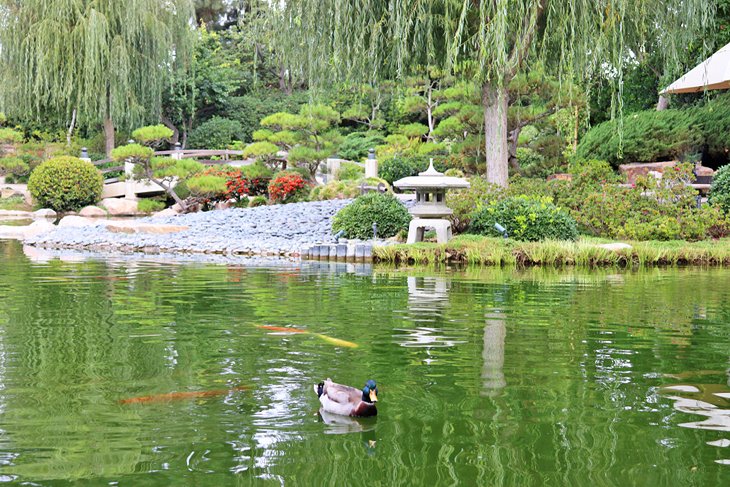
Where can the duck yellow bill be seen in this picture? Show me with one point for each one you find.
(373, 396)
(337, 341)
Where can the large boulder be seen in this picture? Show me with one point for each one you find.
(166, 212)
(92, 211)
(11, 193)
(120, 206)
(45, 213)
(36, 228)
(77, 221)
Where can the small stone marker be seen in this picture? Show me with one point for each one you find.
(615, 246)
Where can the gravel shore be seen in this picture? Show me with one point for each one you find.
(283, 230)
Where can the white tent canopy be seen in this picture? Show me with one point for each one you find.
(711, 74)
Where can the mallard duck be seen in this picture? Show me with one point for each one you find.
(348, 401)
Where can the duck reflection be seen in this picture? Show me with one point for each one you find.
(339, 425)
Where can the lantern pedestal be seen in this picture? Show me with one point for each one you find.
(418, 226)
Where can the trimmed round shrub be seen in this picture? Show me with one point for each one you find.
(65, 183)
(216, 133)
(383, 209)
(720, 189)
(525, 219)
(288, 187)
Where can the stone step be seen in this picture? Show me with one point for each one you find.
(339, 252)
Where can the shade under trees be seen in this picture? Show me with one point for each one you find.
(99, 62)
(489, 42)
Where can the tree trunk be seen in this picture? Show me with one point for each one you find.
(109, 135)
(494, 102)
(71, 128)
(662, 104)
(175, 132)
(514, 136)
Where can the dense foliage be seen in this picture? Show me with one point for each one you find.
(525, 218)
(720, 189)
(646, 136)
(216, 133)
(65, 184)
(382, 209)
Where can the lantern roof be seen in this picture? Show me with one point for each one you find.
(431, 178)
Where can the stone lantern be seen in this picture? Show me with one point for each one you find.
(430, 210)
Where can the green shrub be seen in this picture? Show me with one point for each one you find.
(355, 146)
(65, 183)
(257, 201)
(335, 190)
(10, 136)
(719, 190)
(646, 136)
(357, 218)
(714, 118)
(349, 171)
(149, 205)
(216, 133)
(465, 201)
(13, 165)
(525, 219)
(528, 158)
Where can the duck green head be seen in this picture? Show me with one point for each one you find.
(370, 392)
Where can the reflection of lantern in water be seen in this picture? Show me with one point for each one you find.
(427, 297)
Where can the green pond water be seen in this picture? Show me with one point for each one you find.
(486, 377)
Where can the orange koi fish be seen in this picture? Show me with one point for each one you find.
(282, 329)
(174, 396)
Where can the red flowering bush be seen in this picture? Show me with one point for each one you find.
(288, 187)
(239, 186)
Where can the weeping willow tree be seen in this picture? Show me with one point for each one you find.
(487, 41)
(102, 62)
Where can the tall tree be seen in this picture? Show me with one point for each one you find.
(107, 60)
(489, 41)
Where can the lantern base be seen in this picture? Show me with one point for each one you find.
(418, 227)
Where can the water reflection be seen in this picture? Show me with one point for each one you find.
(338, 424)
(495, 332)
(711, 401)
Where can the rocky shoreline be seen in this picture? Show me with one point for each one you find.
(278, 230)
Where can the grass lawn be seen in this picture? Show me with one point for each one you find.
(477, 250)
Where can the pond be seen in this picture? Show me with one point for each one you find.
(161, 372)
